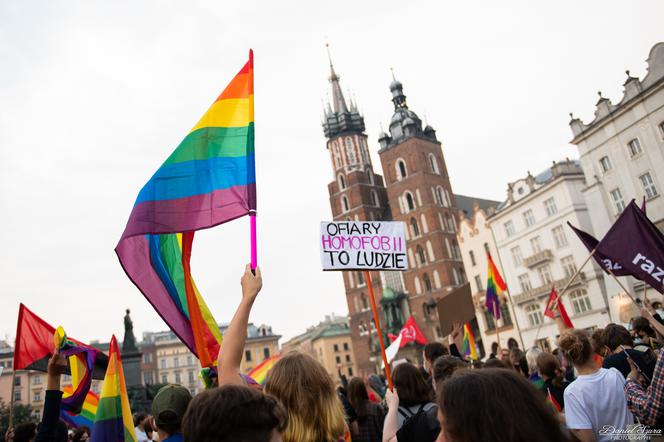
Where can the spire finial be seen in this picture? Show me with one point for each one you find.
(600, 94)
(327, 48)
(393, 77)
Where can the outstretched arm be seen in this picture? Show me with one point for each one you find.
(232, 347)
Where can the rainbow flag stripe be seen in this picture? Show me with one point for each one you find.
(259, 373)
(209, 179)
(468, 347)
(113, 420)
(494, 287)
(86, 418)
(81, 363)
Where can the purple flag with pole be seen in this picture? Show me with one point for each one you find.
(604, 261)
(637, 245)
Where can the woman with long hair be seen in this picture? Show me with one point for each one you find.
(370, 416)
(596, 399)
(554, 380)
(301, 384)
(510, 409)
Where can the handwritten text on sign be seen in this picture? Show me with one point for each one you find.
(363, 245)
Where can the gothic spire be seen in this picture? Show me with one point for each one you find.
(338, 101)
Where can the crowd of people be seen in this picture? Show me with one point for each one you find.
(608, 385)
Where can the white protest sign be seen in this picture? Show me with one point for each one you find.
(363, 245)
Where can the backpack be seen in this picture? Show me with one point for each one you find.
(421, 426)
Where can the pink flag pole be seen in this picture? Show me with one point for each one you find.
(254, 248)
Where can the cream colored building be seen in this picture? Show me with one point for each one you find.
(622, 157)
(475, 239)
(330, 343)
(175, 364)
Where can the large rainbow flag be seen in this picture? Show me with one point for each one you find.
(494, 287)
(113, 421)
(209, 179)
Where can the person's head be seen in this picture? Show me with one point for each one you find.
(81, 434)
(432, 351)
(614, 336)
(494, 348)
(597, 341)
(168, 407)
(25, 432)
(140, 419)
(505, 355)
(512, 343)
(642, 327)
(514, 411)
(307, 391)
(234, 413)
(496, 363)
(358, 396)
(531, 359)
(444, 366)
(575, 345)
(410, 385)
(518, 360)
(549, 367)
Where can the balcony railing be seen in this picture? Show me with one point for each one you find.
(538, 258)
(544, 290)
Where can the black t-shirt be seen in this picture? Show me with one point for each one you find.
(642, 360)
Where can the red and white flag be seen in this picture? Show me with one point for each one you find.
(409, 333)
(548, 310)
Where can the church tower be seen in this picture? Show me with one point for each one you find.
(356, 194)
(420, 195)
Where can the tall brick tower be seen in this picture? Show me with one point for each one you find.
(420, 194)
(358, 194)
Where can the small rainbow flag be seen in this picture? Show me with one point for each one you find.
(259, 373)
(86, 418)
(553, 401)
(494, 287)
(209, 179)
(81, 363)
(468, 347)
(113, 421)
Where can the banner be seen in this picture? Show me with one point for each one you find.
(363, 245)
(637, 245)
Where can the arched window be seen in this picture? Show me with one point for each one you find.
(342, 182)
(374, 198)
(410, 202)
(415, 229)
(449, 223)
(365, 303)
(505, 314)
(433, 163)
(336, 156)
(356, 302)
(427, 283)
(455, 275)
(350, 151)
(420, 255)
(418, 286)
(440, 196)
(363, 151)
(344, 203)
(370, 176)
(401, 169)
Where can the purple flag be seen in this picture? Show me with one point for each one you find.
(637, 245)
(604, 261)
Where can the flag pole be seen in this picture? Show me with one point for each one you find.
(11, 399)
(554, 306)
(254, 246)
(495, 318)
(372, 298)
(623, 287)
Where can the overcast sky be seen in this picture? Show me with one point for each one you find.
(95, 95)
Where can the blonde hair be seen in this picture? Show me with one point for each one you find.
(315, 412)
(531, 358)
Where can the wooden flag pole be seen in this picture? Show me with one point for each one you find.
(372, 298)
(623, 287)
(554, 306)
(495, 318)
(11, 399)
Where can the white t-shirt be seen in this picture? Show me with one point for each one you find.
(595, 400)
(141, 436)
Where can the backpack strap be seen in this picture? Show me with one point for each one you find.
(405, 412)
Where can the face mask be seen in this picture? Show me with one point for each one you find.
(660, 312)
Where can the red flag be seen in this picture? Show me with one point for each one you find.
(548, 310)
(553, 401)
(411, 333)
(34, 344)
